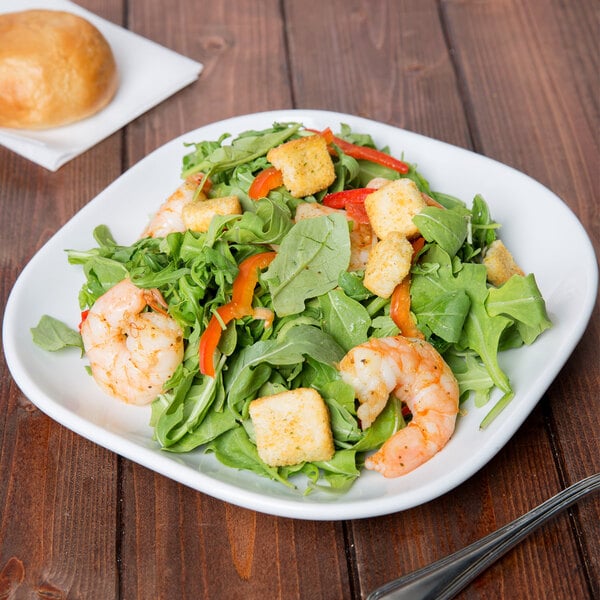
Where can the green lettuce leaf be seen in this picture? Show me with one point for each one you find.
(308, 262)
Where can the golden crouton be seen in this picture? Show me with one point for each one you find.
(305, 165)
(393, 206)
(389, 263)
(198, 215)
(292, 427)
(500, 264)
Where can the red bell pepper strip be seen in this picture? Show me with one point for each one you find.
(209, 340)
(357, 212)
(417, 245)
(268, 179)
(400, 301)
(353, 201)
(247, 278)
(364, 152)
(84, 315)
(240, 306)
(400, 310)
(341, 199)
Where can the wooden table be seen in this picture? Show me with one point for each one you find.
(513, 80)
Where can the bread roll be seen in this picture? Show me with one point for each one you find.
(55, 68)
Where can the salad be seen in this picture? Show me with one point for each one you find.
(269, 303)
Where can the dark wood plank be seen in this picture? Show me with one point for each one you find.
(177, 542)
(371, 31)
(242, 48)
(516, 81)
(184, 544)
(58, 496)
(543, 121)
(382, 60)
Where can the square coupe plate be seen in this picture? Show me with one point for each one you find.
(59, 385)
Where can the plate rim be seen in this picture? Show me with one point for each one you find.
(303, 509)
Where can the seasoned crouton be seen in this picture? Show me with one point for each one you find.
(362, 237)
(389, 263)
(198, 215)
(292, 427)
(500, 264)
(392, 207)
(305, 165)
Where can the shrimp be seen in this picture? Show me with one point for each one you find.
(168, 218)
(131, 353)
(415, 373)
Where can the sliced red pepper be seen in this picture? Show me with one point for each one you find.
(400, 310)
(364, 152)
(209, 340)
(351, 200)
(400, 301)
(268, 179)
(240, 306)
(84, 315)
(417, 245)
(341, 199)
(247, 278)
(357, 212)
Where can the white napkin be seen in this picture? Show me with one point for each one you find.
(148, 74)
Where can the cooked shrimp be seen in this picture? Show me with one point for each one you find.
(415, 373)
(131, 353)
(168, 218)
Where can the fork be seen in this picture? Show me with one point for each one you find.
(446, 577)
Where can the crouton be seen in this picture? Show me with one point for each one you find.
(292, 427)
(500, 264)
(305, 165)
(393, 206)
(389, 263)
(198, 215)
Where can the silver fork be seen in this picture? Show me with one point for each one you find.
(444, 578)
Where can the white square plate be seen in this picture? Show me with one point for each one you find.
(58, 384)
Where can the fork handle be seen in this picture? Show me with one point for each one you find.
(444, 578)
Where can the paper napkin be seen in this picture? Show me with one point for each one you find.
(148, 74)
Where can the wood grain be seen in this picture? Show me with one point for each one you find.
(516, 81)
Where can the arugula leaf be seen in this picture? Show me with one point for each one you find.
(472, 376)
(53, 335)
(445, 227)
(308, 263)
(212, 426)
(234, 449)
(344, 319)
(521, 299)
(445, 315)
(245, 148)
(481, 331)
(250, 368)
(386, 424)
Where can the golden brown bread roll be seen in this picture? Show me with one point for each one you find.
(55, 68)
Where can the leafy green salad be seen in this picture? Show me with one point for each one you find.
(319, 309)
